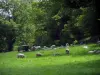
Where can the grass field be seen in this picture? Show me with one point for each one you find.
(79, 62)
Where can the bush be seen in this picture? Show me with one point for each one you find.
(75, 42)
(57, 42)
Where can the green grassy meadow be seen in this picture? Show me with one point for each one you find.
(79, 62)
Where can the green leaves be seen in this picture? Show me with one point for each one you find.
(56, 17)
(51, 21)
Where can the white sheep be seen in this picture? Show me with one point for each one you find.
(67, 44)
(98, 42)
(53, 46)
(20, 55)
(38, 54)
(86, 47)
(67, 50)
(90, 52)
(45, 47)
(37, 47)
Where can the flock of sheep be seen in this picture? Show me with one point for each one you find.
(21, 55)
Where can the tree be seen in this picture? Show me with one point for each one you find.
(8, 28)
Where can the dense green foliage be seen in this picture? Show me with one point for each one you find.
(47, 22)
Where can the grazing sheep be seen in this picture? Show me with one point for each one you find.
(37, 47)
(33, 48)
(90, 52)
(67, 51)
(67, 44)
(86, 47)
(45, 47)
(53, 46)
(94, 52)
(38, 54)
(20, 55)
(61, 46)
(97, 51)
(98, 42)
